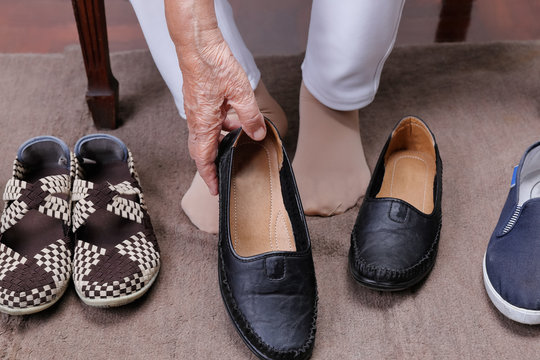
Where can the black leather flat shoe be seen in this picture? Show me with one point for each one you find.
(266, 272)
(395, 237)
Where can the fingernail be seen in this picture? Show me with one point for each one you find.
(259, 134)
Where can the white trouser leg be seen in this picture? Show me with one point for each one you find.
(151, 16)
(348, 43)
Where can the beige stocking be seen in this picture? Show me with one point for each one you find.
(329, 165)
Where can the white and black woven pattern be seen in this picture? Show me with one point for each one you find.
(90, 258)
(18, 192)
(80, 189)
(9, 260)
(75, 170)
(86, 256)
(56, 184)
(125, 208)
(36, 276)
(124, 266)
(131, 164)
(140, 250)
(115, 289)
(13, 189)
(51, 266)
(56, 259)
(125, 188)
(12, 214)
(26, 299)
(55, 207)
(81, 211)
(18, 169)
(128, 209)
(118, 205)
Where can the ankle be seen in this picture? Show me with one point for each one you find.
(315, 114)
(270, 108)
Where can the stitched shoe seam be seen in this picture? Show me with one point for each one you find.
(361, 264)
(241, 321)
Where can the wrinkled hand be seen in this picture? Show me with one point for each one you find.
(214, 82)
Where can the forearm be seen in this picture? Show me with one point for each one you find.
(213, 82)
(192, 25)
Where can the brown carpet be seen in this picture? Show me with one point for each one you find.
(481, 101)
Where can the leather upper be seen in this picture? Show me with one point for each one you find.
(271, 297)
(392, 242)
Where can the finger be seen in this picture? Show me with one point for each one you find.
(230, 117)
(208, 173)
(231, 123)
(203, 144)
(249, 115)
(210, 178)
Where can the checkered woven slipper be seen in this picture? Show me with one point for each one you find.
(35, 256)
(116, 254)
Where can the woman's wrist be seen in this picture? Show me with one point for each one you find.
(192, 24)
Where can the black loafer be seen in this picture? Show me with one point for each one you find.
(266, 272)
(395, 237)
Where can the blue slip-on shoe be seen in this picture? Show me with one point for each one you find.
(511, 263)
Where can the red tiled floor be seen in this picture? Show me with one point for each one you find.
(48, 25)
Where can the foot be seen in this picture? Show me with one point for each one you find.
(201, 207)
(329, 165)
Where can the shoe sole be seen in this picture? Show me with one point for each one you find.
(381, 286)
(32, 309)
(521, 315)
(119, 301)
(390, 287)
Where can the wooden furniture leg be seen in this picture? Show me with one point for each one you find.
(454, 20)
(102, 94)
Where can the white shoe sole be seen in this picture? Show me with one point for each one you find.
(524, 316)
(33, 309)
(118, 301)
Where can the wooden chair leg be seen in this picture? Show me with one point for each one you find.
(454, 20)
(102, 94)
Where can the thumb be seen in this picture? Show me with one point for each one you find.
(249, 115)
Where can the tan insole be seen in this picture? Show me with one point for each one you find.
(258, 219)
(409, 176)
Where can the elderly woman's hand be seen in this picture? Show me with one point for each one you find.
(214, 82)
